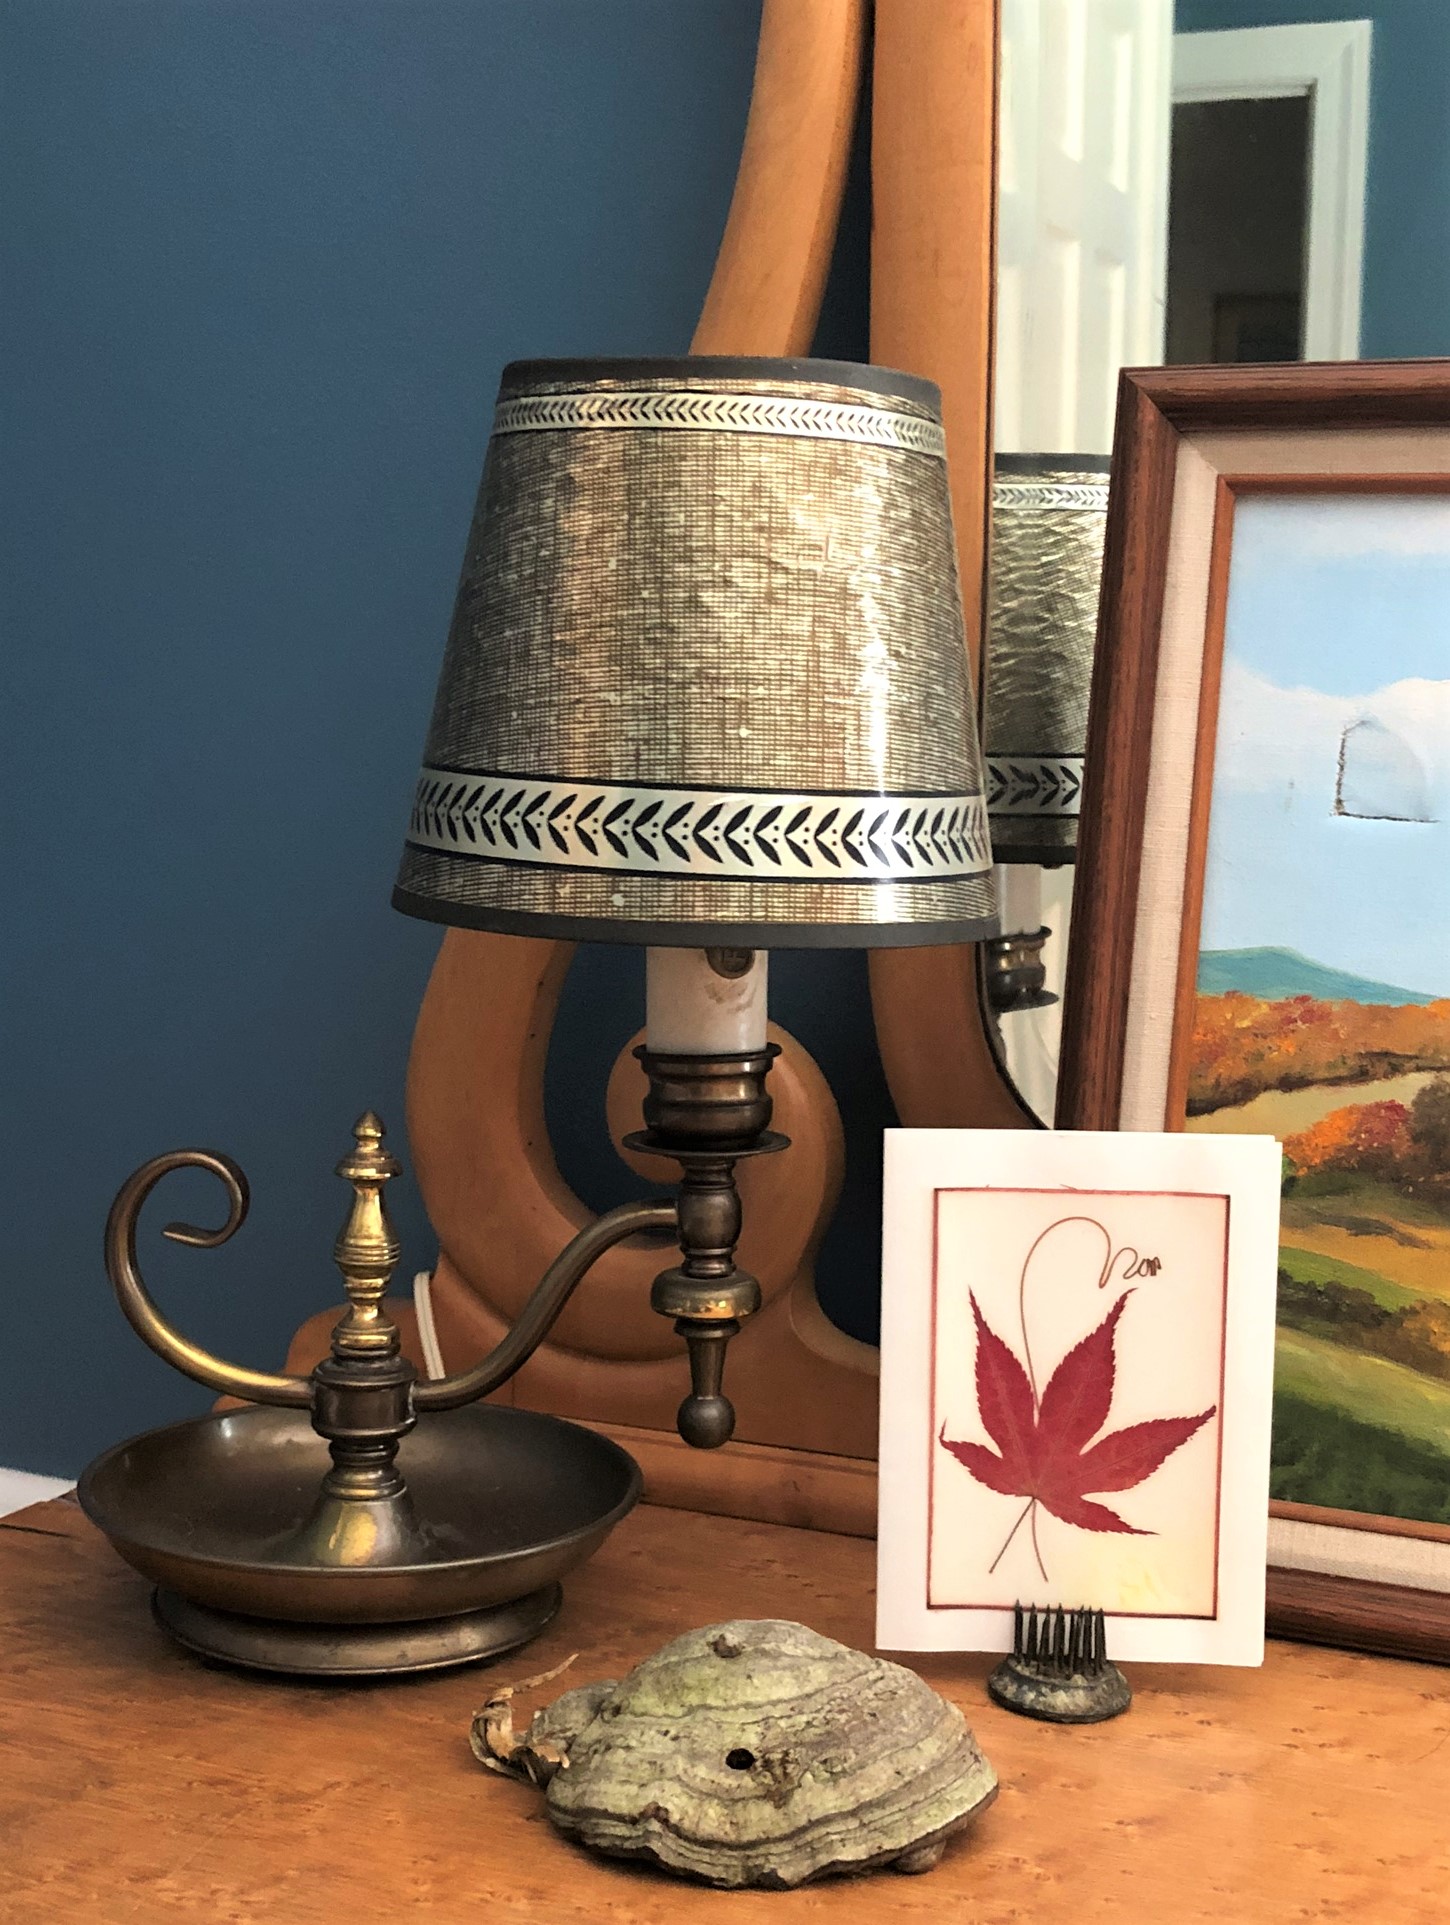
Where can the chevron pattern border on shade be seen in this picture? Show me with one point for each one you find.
(1034, 785)
(1014, 494)
(726, 834)
(720, 412)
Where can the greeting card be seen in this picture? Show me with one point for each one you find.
(1077, 1368)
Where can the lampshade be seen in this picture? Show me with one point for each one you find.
(1049, 513)
(706, 682)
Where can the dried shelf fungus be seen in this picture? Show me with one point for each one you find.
(751, 1753)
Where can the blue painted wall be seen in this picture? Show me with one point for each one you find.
(262, 264)
(1407, 209)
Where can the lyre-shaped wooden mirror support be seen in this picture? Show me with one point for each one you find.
(805, 1394)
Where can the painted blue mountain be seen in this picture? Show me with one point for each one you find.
(1272, 974)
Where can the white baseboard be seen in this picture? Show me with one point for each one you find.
(18, 1488)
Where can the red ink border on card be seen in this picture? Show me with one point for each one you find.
(1069, 1192)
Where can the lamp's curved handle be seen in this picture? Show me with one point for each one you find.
(257, 1386)
(551, 1293)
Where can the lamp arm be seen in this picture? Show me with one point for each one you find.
(258, 1386)
(539, 1314)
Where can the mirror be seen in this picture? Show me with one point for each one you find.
(1185, 184)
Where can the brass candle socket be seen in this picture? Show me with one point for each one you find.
(1015, 974)
(706, 1112)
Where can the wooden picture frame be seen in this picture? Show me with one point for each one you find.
(1193, 444)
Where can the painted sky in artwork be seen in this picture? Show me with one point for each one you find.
(1338, 620)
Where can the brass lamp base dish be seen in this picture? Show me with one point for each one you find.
(354, 1650)
(219, 1514)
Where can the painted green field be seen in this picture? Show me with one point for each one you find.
(1370, 1389)
(1337, 1190)
(1306, 1266)
(1356, 1429)
(1362, 1372)
(1321, 1456)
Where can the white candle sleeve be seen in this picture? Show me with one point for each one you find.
(1019, 894)
(693, 1010)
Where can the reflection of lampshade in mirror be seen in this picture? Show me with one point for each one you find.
(1049, 513)
(707, 682)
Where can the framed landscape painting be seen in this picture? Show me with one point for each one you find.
(1262, 940)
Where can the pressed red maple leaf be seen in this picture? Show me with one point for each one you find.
(1045, 1443)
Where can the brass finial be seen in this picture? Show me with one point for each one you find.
(369, 1162)
(367, 1250)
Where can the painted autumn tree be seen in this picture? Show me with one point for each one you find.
(1396, 1143)
(1430, 1125)
(1370, 1138)
(1242, 1046)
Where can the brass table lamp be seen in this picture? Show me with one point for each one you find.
(706, 691)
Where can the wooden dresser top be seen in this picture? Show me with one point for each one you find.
(139, 1784)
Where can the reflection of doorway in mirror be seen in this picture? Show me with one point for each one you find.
(1236, 230)
(1266, 205)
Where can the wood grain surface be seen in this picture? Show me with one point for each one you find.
(933, 238)
(1299, 394)
(144, 1788)
(1399, 1620)
(776, 251)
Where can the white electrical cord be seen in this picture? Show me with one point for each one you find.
(427, 1329)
